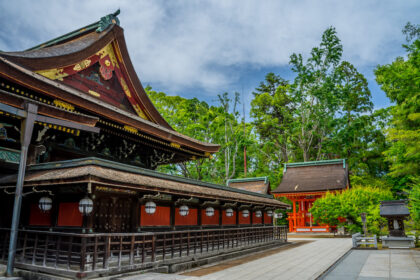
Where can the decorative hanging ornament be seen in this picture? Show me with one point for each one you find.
(270, 213)
(86, 206)
(258, 214)
(245, 213)
(150, 207)
(229, 212)
(184, 210)
(45, 204)
(209, 211)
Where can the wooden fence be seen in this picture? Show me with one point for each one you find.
(80, 254)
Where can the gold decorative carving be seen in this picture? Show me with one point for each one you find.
(53, 74)
(139, 111)
(175, 145)
(82, 65)
(94, 93)
(108, 50)
(125, 87)
(130, 129)
(63, 105)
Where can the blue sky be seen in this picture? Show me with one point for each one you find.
(204, 48)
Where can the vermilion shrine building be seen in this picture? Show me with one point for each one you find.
(305, 182)
(93, 203)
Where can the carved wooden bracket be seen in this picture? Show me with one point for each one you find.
(191, 200)
(156, 197)
(210, 203)
(230, 205)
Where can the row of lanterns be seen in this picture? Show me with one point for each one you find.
(150, 208)
(85, 205)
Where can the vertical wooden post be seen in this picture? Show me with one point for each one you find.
(294, 216)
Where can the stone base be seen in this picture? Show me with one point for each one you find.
(398, 242)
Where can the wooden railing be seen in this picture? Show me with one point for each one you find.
(82, 254)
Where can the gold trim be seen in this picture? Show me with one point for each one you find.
(94, 93)
(63, 105)
(130, 129)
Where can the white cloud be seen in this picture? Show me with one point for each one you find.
(196, 44)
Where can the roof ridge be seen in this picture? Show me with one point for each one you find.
(100, 26)
(250, 179)
(318, 162)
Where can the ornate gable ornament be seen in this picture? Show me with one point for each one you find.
(108, 20)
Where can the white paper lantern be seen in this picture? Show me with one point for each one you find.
(45, 204)
(229, 212)
(86, 206)
(245, 213)
(184, 210)
(150, 207)
(258, 214)
(209, 211)
(270, 213)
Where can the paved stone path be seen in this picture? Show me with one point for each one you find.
(379, 265)
(307, 261)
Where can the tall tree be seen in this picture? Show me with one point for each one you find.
(313, 94)
(401, 83)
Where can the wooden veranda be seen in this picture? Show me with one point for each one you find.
(92, 255)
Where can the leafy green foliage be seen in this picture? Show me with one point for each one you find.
(349, 205)
(414, 204)
(324, 113)
(401, 83)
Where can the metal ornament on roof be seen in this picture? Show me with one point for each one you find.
(184, 210)
(209, 211)
(45, 204)
(150, 207)
(86, 206)
(258, 214)
(229, 212)
(245, 213)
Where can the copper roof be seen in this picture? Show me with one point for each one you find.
(108, 173)
(257, 185)
(314, 176)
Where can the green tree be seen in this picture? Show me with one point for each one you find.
(349, 204)
(400, 81)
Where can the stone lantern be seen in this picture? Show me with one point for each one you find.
(396, 211)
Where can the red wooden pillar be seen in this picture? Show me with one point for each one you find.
(294, 216)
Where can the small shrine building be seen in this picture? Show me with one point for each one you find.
(305, 182)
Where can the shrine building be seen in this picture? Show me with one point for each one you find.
(305, 182)
(93, 203)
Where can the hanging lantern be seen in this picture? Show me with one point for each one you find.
(229, 212)
(270, 213)
(45, 204)
(150, 207)
(183, 210)
(86, 206)
(209, 211)
(245, 213)
(258, 214)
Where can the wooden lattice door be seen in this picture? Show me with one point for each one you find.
(113, 214)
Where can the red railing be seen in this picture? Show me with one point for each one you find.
(81, 255)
